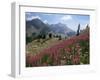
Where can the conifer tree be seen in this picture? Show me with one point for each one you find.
(78, 30)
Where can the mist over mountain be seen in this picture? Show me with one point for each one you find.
(36, 27)
(62, 29)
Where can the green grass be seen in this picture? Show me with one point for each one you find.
(38, 45)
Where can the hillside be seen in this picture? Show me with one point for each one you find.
(36, 28)
(72, 51)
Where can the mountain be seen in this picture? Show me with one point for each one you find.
(62, 29)
(36, 27)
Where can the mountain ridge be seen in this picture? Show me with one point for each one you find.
(36, 27)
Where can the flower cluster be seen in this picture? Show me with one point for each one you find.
(72, 51)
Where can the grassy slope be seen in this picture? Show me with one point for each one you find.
(66, 52)
(35, 47)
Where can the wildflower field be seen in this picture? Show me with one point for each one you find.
(71, 51)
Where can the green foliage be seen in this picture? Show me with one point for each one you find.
(28, 39)
(85, 52)
(47, 59)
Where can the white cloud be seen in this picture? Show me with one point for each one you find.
(33, 17)
(67, 17)
(28, 14)
(45, 21)
(47, 14)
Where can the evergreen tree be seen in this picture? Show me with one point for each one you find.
(50, 35)
(60, 37)
(87, 28)
(78, 30)
(44, 36)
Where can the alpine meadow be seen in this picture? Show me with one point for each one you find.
(54, 39)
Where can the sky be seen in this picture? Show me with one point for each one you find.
(71, 20)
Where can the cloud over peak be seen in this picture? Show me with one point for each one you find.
(67, 17)
(33, 17)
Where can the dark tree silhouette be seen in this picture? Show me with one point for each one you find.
(43, 36)
(28, 39)
(60, 37)
(50, 35)
(87, 27)
(78, 30)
